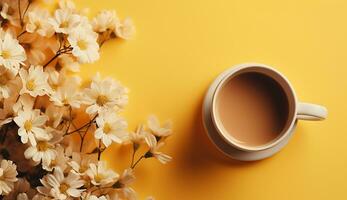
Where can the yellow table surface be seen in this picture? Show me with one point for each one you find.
(180, 47)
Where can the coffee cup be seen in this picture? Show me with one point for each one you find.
(253, 108)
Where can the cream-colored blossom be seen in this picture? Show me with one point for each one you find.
(89, 196)
(157, 129)
(43, 151)
(80, 162)
(122, 186)
(84, 44)
(12, 54)
(9, 13)
(61, 187)
(138, 136)
(65, 96)
(93, 197)
(104, 21)
(34, 81)
(61, 160)
(8, 175)
(68, 63)
(30, 123)
(36, 48)
(37, 22)
(67, 4)
(9, 84)
(100, 175)
(105, 95)
(125, 29)
(61, 78)
(111, 128)
(64, 21)
(24, 102)
(6, 110)
(154, 150)
(55, 115)
(21, 191)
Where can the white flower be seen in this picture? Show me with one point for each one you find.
(34, 81)
(61, 160)
(105, 20)
(43, 151)
(37, 21)
(12, 54)
(66, 4)
(61, 78)
(6, 110)
(9, 84)
(25, 102)
(85, 46)
(30, 124)
(4, 11)
(21, 191)
(125, 29)
(100, 175)
(94, 197)
(158, 130)
(111, 128)
(9, 12)
(80, 162)
(37, 48)
(8, 175)
(68, 63)
(153, 152)
(105, 95)
(64, 21)
(60, 187)
(55, 115)
(64, 96)
(123, 183)
(41, 197)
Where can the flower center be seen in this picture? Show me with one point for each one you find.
(28, 125)
(82, 45)
(38, 25)
(6, 54)
(30, 85)
(98, 178)
(101, 100)
(65, 101)
(42, 146)
(63, 187)
(107, 128)
(64, 24)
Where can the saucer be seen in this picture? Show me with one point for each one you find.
(221, 144)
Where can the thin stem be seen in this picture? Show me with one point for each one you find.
(26, 9)
(22, 33)
(142, 157)
(20, 13)
(82, 127)
(99, 150)
(84, 135)
(52, 59)
(70, 120)
(59, 52)
(133, 155)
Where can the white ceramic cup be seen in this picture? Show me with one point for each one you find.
(296, 111)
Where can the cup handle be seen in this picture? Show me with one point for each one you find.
(308, 111)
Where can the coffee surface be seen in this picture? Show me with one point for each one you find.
(253, 108)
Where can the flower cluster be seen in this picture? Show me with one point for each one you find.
(53, 129)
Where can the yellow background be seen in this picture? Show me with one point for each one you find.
(181, 45)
